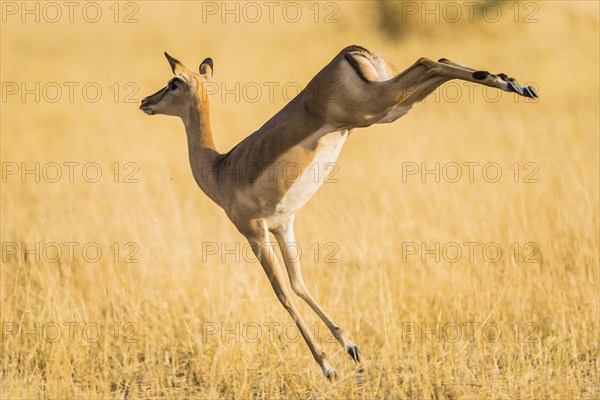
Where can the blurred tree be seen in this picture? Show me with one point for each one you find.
(390, 18)
(399, 17)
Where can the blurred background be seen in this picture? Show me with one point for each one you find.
(102, 222)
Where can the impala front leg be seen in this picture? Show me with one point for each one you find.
(284, 233)
(263, 250)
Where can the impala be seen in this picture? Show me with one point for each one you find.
(357, 88)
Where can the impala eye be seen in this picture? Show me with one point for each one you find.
(172, 86)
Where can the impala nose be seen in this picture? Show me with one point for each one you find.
(145, 107)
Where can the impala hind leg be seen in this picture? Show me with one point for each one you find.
(513, 86)
(284, 233)
(420, 79)
(263, 250)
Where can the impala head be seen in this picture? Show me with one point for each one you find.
(184, 92)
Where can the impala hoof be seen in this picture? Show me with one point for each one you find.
(354, 353)
(330, 373)
(526, 91)
(515, 87)
(530, 92)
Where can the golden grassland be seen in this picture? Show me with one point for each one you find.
(167, 304)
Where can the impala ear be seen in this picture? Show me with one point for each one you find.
(206, 68)
(173, 62)
(176, 66)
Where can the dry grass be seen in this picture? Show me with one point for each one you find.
(375, 295)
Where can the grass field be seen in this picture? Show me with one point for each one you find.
(120, 279)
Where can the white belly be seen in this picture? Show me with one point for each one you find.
(312, 177)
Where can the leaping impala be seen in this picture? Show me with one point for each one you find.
(357, 88)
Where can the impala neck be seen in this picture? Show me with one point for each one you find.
(201, 149)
